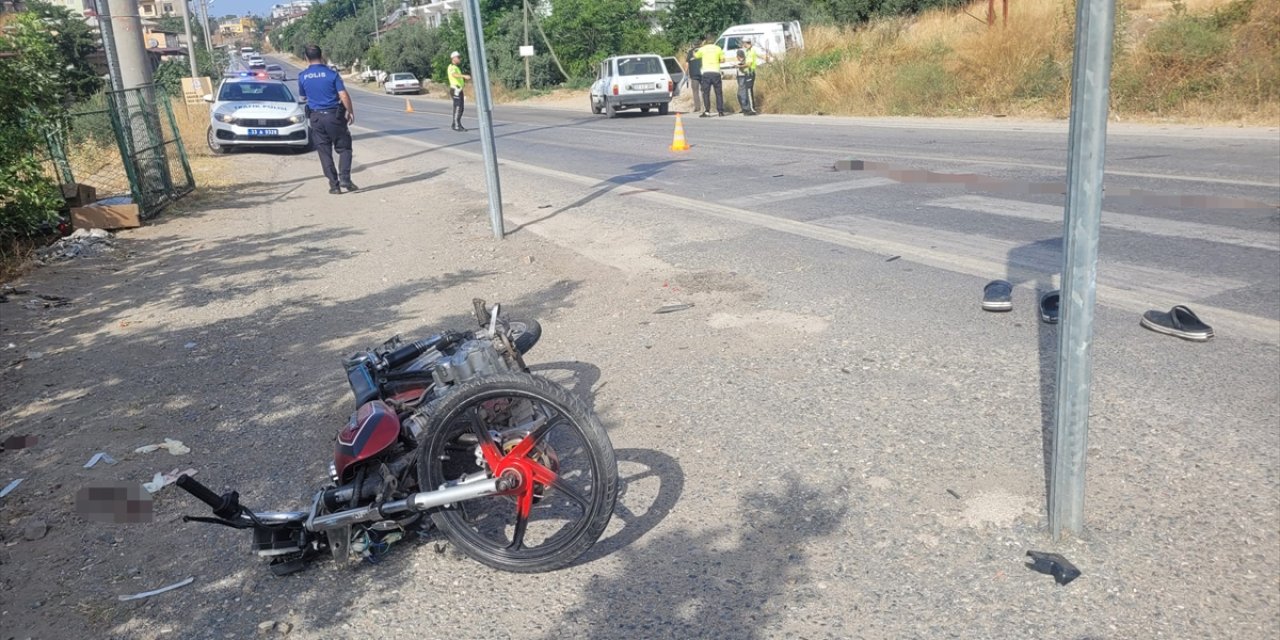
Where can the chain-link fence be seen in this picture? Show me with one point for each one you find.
(124, 143)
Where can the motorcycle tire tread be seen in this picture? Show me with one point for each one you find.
(591, 429)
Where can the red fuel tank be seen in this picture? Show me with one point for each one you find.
(372, 428)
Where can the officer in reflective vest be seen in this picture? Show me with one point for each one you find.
(330, 113)
(747, 61)
(711, 56)
(457, 80)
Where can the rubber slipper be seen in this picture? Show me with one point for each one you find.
(997, 296)
(1180, 322)
(1049, 307)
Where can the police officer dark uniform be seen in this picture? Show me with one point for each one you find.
(457, 80)
(329, 110)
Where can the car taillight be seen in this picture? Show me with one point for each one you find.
(615, 89)
(671, 86)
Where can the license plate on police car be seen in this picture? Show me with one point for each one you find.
(264, 132)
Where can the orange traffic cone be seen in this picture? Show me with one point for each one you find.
(408, 106)
(678, 143)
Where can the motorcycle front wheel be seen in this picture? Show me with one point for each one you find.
(530, 425)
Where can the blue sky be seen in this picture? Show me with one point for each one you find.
(240, 7)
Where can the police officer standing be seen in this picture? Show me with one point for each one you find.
(711, 56)
(747, 78)
(329, 110)
(693, 74)
(457, 80)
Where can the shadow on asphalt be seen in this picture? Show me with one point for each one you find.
(638, 173)
(1042, 257)
(635, 468)
(724, 581)
(427, 175)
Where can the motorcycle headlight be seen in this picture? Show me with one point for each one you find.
(225, 117)
(295, 118)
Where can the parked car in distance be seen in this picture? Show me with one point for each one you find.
(771, 40)
(247, 52)
(398, 83)
(637, 81)
(276, 72)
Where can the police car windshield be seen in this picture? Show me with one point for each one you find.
(639, 66)
(255, 92)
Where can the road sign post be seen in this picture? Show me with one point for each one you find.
(484, 105)
(1086, 154)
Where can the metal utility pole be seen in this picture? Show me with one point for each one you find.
(208, 39)
(1086, 155)
(191, 44)
(377, 21)
(484, 104)
(527, 83)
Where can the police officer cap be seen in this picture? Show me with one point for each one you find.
(746, 41)
(455, 54)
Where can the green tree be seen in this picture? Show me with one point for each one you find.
(33, 90)
(587, 31)
(691, 20)
(75, 42)
(409, 48)
(346, 42)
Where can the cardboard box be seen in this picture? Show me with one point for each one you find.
(108, 215)
(79, 195)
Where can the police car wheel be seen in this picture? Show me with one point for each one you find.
(216, 148)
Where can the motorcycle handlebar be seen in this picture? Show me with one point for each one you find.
(201, 492)
(413, 350)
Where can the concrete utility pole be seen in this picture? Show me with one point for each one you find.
(133, 96)
(527, 83)
(484, 104)
(191, 44)
(208, 40)
(1086, 156)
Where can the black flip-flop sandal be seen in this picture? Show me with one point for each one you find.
(997, 296)
(1049, 306)
(1180, 322)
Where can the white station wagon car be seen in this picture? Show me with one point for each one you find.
(398, 83)
(253, 110)
(632, 82)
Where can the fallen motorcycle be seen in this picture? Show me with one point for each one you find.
(450, 431)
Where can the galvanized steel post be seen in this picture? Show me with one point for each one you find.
(1086, 155)
(480, 79)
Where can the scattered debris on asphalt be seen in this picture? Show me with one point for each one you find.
(10, 290)
(1053, 564)
(86, 243)
(174, 447)
(892, 258)
(953, 494)
(278, 626)
(189, 345)
(153, 592)
(99, 457)
(672, 308)
(8, 488)
(162, 480)
(19, 442)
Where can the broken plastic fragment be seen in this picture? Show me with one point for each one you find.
(10, 487)
(148, 594)
(1053, 564)
(99, 457)
(162, 480)
(174, 447)
(674, 307)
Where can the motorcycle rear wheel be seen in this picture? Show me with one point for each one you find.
(545, 524)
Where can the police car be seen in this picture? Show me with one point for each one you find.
(254, 110)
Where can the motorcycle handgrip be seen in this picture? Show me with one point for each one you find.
(201, 492)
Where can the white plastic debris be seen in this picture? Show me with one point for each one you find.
(148, 594)
(99, 457)
(81, 243)
(10, 487)
(162, 480)
(174, 447)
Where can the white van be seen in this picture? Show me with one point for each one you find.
(770, 39)
(246, 53)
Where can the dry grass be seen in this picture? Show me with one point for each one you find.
(948, 63)
(193, 122)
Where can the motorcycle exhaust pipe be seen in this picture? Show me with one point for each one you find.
(421, 501)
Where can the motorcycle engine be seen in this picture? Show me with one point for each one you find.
(465, 361)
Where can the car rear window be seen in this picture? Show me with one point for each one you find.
(255, 92)
(402, 76)
(274, 67)
(639, 66)
(673, 66)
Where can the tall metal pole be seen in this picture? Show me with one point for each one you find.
(377, 21)
(527, 83)
(480, 78)
(208, 39)
(191, 44)
(1086, 155)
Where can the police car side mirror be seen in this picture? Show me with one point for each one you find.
(208, 97)
(302, 100)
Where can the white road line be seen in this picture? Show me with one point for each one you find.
(815, 190)
(1125, 297)
(1118, 221)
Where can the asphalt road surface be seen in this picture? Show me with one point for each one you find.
(1195, 221)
